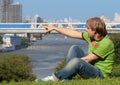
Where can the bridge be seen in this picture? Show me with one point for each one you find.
(21, 28)
(36, 28)
(42, 31)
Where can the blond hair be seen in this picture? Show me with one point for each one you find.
(97, 25)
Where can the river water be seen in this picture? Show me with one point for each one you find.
(45, 54)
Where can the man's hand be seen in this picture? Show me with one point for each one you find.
(90, 57)
(48, 29)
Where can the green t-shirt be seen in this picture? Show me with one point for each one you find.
(105, 50)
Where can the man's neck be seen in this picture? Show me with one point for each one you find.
(98, 37)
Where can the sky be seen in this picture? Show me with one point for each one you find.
(76, 9)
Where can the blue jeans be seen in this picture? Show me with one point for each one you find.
(74, 65)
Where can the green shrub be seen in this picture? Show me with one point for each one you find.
(61, 64)
(15, 67)
(116, 71)
(1, 39)
(116, 40)
(24, 41)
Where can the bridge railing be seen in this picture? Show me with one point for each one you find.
(72, 25)
(39, 25)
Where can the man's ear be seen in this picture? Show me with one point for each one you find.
(95, 32)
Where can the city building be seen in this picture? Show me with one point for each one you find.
(37, 19)
(117, 18)
(10, 12)
(15, 13)
(27, 19)
(105, 19)
(4, 8)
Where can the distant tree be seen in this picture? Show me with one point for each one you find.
(24, 41)
(1, 40)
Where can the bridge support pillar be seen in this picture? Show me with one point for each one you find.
(40, 36)
(28, 37)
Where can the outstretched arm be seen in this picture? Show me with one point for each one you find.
(64, 31)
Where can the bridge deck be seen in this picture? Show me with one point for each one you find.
(42, 30)
(37, 27)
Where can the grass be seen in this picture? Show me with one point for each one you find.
(114, 80)
(108, 81)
